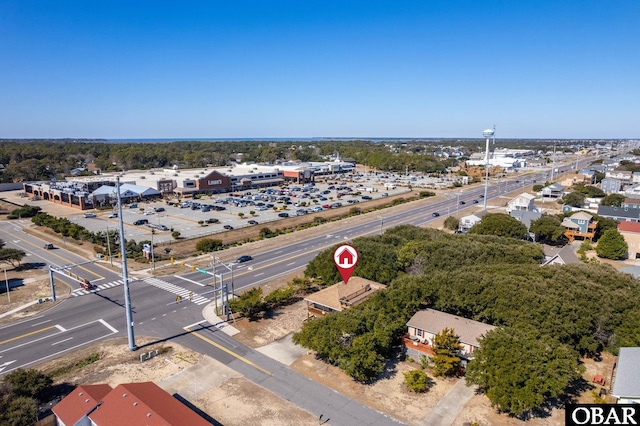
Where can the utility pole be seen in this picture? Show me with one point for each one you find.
(109, 246)
(6, 282)
(125, 273)
(553, 163)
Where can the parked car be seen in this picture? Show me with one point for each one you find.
(141, 222)
(159, 209)
(283, 214)
(148, 213)
(244, 258)
(228, 227)
(367, 197)
(133, 206)
(252, 222)
(113, 215)
(163, 228)
(212, 220)
(89, 215)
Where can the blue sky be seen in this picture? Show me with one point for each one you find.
(232, 69)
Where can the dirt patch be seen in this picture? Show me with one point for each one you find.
(241, 402)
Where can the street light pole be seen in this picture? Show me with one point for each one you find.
(487, 134)
(153, 259)
(125, 273)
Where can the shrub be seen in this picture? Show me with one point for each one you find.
(280, 296)
(416, 380)
(207, 245)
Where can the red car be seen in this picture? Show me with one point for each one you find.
(326, 206)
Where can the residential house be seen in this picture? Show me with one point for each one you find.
(621, 214)
(610, 186)
(467, 222)
(626, 384)
(425, 324)
(611, 163)
(623, 175)
(341, 296)
(631, 203)
(559, 255)
(75, 407)
(580, 224)
(632, 191)
(631, 233)
(523, 201)
(526, 217)
(635, 178)
(131, 404)
(552, 192)
(572, 179)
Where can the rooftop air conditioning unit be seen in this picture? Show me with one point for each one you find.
(152, 173)
(142, 177)
(197, 176)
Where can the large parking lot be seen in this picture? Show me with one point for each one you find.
(209, 215)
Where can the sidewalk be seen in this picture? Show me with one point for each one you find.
(209, 314)
(448, 408)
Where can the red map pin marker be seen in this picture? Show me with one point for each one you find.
(345, 258)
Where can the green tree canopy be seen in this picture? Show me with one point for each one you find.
(612, 245)
(520, 370)
(501, 225)
(452, 223)
(614, 200)
(573, 199)
(28, 383)
(547, 228)
(446, 346)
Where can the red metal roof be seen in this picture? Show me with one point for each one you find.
(80, 402)
(146, 404)
(629, 227)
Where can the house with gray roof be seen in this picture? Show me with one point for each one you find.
(621, 214)
(559, 255)
(425, 324)
(526, 217)
(610, 186)
(626, 384)
(552, 192)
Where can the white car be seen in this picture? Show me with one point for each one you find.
(89, 215)
(148, 213)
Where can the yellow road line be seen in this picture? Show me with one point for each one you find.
(28, 334)
(211, 342)
(57, 255)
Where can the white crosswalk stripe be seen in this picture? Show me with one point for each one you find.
(81, 292)
(175, 289)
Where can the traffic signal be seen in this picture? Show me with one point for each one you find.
(178, 299)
